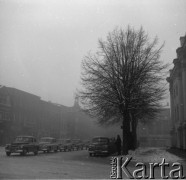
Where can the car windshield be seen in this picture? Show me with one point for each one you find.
(67, 141)
(60, 140)
(76, 140)
(46, 140)
(100, 140)
(23, 139)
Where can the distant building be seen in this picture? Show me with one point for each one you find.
(19, 113)
(5, 114)
(156, 132)
(22, 113)
(177, 84)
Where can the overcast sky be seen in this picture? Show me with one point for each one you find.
(42, 42)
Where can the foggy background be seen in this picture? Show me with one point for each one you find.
(42, 42)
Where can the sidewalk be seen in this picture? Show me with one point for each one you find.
(153, 154)
(156, 155)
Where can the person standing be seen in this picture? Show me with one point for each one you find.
(118, 145)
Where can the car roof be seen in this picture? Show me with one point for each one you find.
(26, 136)
(101, 137)
(47, 138)
(64, 139)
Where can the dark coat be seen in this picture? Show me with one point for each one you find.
(118, 142)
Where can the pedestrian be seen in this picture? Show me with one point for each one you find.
(118, 145)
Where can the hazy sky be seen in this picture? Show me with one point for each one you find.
(42, 42)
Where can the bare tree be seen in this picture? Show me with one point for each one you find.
(123, 81)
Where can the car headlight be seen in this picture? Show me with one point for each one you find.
(7, 145)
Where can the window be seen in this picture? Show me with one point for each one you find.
(7, 116)
(4, 116)
(178, 112)
(177, 90)
(100, 139)
(175, 114)
(2, 99)
(1, 115)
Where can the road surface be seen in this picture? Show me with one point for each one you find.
(60, 165)
(78, 164)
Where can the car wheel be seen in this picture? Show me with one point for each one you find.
(35, 152)
(8, 153)
(24, 152)
(48, 150)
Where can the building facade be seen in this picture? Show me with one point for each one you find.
(5, 114)
(22, 113)
(177, 87)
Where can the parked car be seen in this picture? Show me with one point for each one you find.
(101, 146)
(22, 145)
(65, 145)
(86, 144)
(48, 144)
(77, 144)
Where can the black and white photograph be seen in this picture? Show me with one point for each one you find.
(92, 89)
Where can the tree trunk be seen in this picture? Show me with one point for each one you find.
(126, 130)
(134, 135)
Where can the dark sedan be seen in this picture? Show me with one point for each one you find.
(22, 145)
(65, 145)
(101, 146)
(48, 144)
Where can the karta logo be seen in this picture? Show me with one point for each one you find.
(120, 165)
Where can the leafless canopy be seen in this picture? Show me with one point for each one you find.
(125, 76)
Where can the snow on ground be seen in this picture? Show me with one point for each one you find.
(146, 155)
